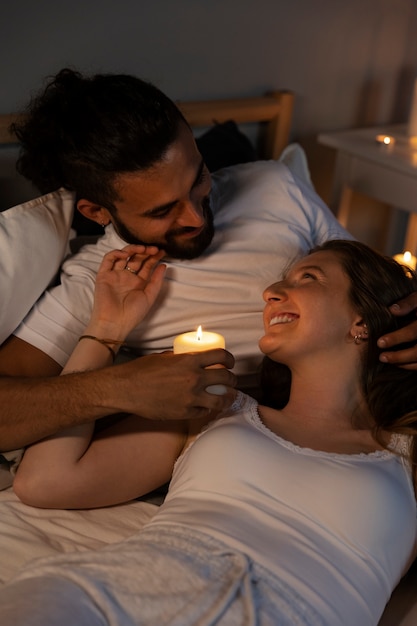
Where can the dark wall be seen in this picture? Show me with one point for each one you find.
(349, 63)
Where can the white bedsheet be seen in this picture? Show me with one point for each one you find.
(27, 533)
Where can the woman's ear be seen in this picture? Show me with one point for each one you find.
(359, 331)
(94, 212)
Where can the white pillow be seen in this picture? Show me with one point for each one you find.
(33, 242)
(295, 159)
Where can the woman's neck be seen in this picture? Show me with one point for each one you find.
(326, 410)
(324, 399)
(325, 417)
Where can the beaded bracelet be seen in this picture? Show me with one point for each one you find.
(105, 342)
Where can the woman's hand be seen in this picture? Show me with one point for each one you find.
(406, 358)
(127, 285)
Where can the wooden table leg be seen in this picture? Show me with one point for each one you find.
(411, 235)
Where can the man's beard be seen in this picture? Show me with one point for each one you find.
(188, 249)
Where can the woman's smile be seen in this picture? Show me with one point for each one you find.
(283, 318)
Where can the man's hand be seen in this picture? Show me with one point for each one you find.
(171, 386)
(406, 358)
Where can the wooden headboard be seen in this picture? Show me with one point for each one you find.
(273, 112)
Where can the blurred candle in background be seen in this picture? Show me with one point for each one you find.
(407, 259)
(385, 140)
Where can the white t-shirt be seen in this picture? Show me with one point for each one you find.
(264, 219)
(339, 529)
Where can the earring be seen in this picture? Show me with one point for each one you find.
(363, 336)
(103, 224)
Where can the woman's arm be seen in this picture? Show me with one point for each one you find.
(122, 462)
(73, 469)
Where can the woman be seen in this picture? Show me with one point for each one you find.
(304, 514)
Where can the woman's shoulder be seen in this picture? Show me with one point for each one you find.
(400, 444)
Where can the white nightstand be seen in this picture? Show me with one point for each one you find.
(387, 173)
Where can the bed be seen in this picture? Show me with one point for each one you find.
(27, 533)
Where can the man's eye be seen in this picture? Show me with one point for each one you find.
(308, 275)
(159, 215)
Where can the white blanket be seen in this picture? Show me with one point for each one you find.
(27, 533)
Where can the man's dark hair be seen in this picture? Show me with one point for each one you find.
(82, 132)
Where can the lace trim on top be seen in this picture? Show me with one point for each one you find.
(399, 444)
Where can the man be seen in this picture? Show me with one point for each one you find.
(128, 155)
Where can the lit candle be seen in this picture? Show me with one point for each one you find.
(385, 140)
(199, 341)
(407, 259)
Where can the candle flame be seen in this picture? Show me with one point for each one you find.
(387, 140)
(199, 334)
(407, 256)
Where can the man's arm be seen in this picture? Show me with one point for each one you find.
(160, 386)
(163, 386)
(19, 358)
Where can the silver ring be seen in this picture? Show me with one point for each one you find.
(129, 269)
